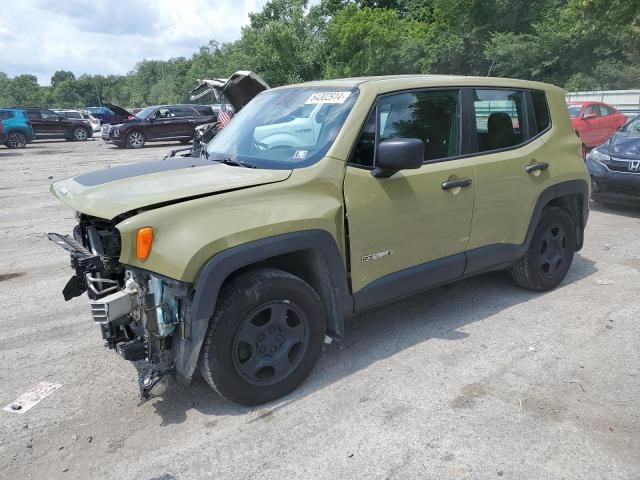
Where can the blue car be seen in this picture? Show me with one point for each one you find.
(17, 128)
(615, 167)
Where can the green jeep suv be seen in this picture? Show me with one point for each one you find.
(317, 201)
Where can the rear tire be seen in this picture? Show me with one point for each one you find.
(16, 140)
(549, 257)
(80, 134)
(135, 139)
(265, 337)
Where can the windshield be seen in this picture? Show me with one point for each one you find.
(284, 128)
(632, 127)
(144, 113)
(574, 110)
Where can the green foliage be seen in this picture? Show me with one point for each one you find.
(579, 44)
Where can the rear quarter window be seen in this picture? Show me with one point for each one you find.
(540, 110)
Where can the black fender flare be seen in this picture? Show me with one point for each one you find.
(222, 265)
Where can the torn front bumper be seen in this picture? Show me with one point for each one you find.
(140, 314)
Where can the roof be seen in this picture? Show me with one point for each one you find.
(398, 82)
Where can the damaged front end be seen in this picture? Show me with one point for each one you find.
(139, 313)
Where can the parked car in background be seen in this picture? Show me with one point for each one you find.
(110, 113)
(17, 128)
(615, 167)
(83, 114)
(158, 123)
(232, 94)
(49, 124)
(594, 122)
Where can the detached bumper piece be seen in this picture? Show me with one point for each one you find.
(90, 270)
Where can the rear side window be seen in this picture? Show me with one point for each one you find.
(204, 110)
(72, 115)
(181, 112)
(540, 110)
(605, 111)
(499, 118)
(5, 115)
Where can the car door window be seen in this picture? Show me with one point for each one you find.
(49, 115)
(162, 113)
(604, 110)
(433, 116)
(591, 110)
(182, 112)
(499, 118)
(34, 115)
(540, 110)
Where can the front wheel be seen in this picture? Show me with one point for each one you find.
(547, 261)
(135, 139)
(264, 338)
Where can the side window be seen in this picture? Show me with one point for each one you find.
(605, 111)
(49, 115)
(499, 118)
(433, 116)
(162, 113)
(182, 112)
(591, 110)
(33, 114)
(204, 110)
(540, 110)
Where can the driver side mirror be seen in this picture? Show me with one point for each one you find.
(60, 118)
(151, 119)
(398, 154)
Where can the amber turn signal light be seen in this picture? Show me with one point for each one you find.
(144, 239)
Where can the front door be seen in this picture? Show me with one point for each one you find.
(409, 231)
(161, 125)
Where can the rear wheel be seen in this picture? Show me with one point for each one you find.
(16, 140)
(550, 253)
(79, 134)
(135, 139)
(264, 338)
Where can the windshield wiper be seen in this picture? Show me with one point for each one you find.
(235, 163)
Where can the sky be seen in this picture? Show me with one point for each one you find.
(110, 36)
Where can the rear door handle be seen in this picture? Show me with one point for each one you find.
(463, 182)
(537, 166)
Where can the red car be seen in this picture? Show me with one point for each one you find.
(595, 122)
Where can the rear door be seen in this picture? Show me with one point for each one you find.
(510, 125)
(412, 226)
(184, 120)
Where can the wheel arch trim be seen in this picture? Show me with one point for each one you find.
(224, 264)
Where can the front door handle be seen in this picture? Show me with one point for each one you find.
(536, 167)
(461, 183)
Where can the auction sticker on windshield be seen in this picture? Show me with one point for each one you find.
(328, 97)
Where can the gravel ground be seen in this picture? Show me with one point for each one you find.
(478, 379)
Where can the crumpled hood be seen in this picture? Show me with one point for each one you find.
(624, 145)
(114, 191)
(239, 89)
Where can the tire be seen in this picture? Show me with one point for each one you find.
(135, 139)
(549, 257)
(265, 337)
(79, 134)
(16, 140)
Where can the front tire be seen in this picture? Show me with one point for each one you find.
(135, 139)
(79, 134)
(264, 338)
(16, 140)
(550, 253)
